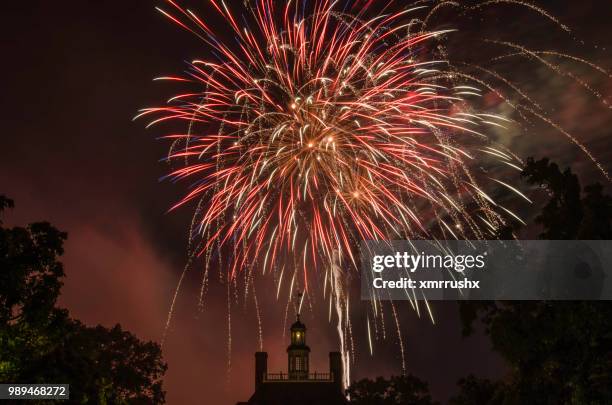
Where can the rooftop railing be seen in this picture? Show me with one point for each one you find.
(287, 377)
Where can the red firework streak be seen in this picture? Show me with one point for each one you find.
(317, 129)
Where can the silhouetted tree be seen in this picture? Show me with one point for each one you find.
(558, 352)
(479, 391)
(398, 390)
(30, 277)
(40, 343)
(568, 215)
(597, 217)
(562, 215)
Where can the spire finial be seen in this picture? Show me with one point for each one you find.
(299, 296)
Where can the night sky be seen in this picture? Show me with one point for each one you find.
(74, 75)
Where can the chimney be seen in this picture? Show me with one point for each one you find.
(261, 367)
(336, 369)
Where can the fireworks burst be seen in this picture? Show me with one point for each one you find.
(322, 125)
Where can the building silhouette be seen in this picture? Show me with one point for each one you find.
(298, 386)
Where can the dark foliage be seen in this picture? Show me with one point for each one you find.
(40, 343)
(398, 390)
(479, 391)
(558, 352)
(569, 214)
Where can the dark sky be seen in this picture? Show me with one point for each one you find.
(74, 75)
